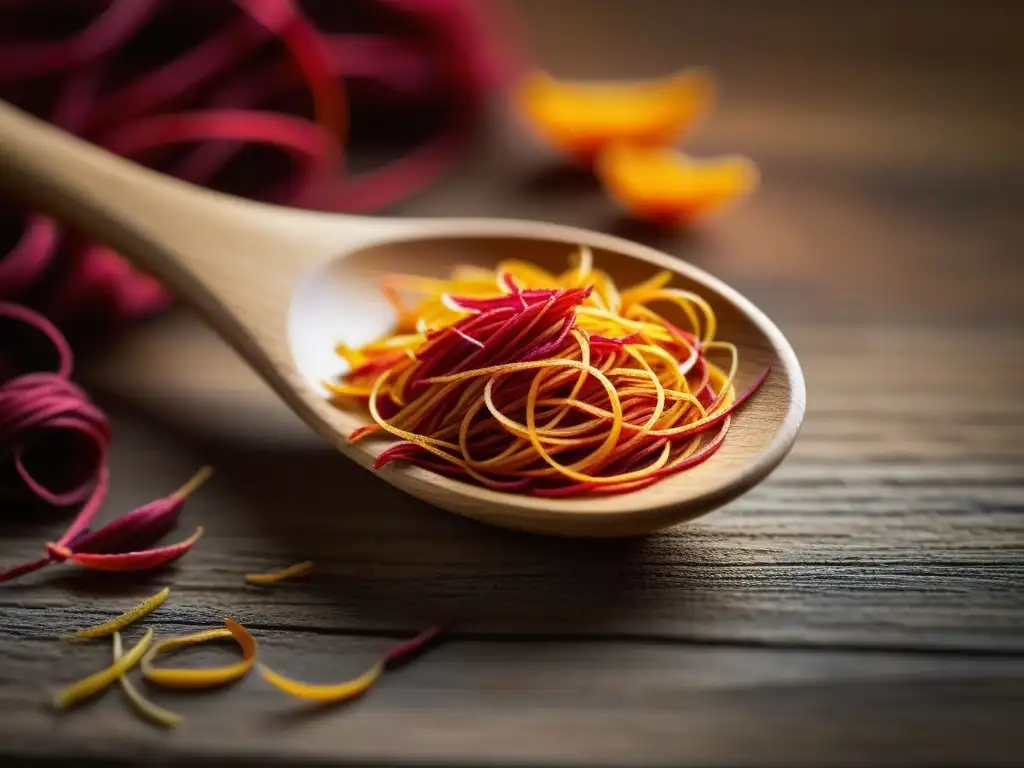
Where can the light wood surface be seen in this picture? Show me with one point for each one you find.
(862, 607)
(284, 286)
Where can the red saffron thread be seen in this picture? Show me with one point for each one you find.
(46, 419)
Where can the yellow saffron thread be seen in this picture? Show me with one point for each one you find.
(323, 694)
(127, 618)
(99, 681)
(273, 577)
(142, 705)
(194, 482)
(337, 692)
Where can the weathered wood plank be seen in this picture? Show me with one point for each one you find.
(565, 702)
(885, 240)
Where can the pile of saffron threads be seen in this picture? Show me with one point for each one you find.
(551, 385)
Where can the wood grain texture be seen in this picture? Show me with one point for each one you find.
(475, 701)
(863, 607)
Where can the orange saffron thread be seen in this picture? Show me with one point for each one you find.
(323, 694)
(201, 678)
(334, 693)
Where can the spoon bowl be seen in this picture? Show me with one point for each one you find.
(283, 286)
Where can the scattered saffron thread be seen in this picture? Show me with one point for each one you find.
(201, 678)
(146, 651)
(142, 705)
(273, 577)
(334, 693)
(323, 694)
(99, 681)
(127, 618)
(192, 484)
(141, 560)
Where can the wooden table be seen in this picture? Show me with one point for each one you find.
(864, 606)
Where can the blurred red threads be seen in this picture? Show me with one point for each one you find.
(217, 78)
(193, 88)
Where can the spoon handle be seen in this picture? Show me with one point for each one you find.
(211, 249)
(134, 210)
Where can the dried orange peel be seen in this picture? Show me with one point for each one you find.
(581, 118)
(201, 678)
(666, 185)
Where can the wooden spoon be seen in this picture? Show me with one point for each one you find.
(283, 286)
